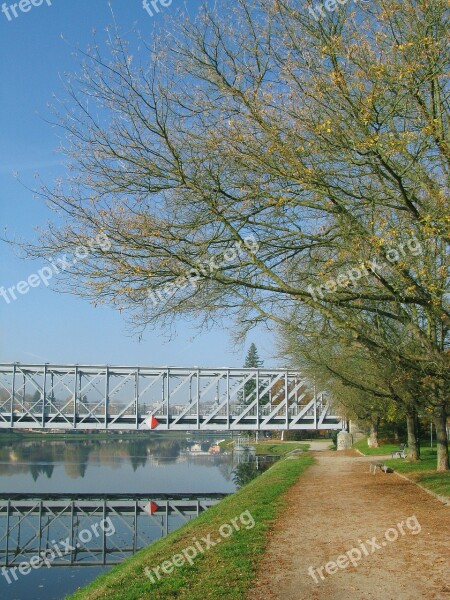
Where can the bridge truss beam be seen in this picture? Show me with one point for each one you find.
(87, 397)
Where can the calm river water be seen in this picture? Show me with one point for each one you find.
(85, 505)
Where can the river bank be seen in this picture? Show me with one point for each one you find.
(225, 568)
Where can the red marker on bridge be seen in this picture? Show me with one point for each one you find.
(151, 508)
(152, 422)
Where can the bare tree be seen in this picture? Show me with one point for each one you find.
(261, 154)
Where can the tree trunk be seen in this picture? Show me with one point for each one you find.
(413, 446)
(440, 422)
(372, 442)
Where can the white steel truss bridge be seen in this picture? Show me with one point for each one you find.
(32, 525)
(87, 397)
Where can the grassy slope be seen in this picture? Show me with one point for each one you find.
(279, 448)
(423, 472)
(225, 571)
(227, 444)
(275, 448)
(439, 483)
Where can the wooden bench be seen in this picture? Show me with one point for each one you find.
(401, 452)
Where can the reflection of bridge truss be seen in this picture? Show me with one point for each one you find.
(93, 397)
(30, 526)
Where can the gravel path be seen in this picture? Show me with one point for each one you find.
(336, 506)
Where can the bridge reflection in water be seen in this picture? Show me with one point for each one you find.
(30, 525)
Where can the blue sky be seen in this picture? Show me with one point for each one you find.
(38, 49)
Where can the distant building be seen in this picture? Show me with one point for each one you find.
(195, 448)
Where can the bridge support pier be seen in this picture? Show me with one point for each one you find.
(344, 440)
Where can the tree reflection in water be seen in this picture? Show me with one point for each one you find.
(244, 473)
(249, 467)
(39, 458)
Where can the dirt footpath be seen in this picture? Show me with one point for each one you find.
(335, 510)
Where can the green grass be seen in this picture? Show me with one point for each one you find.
(268, 447)
(427, 462)
(424, 471)
(227, 444)
(383, 449)
(226, 571)
(439, 483)
(279, 448)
